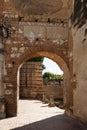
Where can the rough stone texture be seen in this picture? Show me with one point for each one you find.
(40, 10)
(69, 51)
(53, 88)
(38, 7)
(31, 82)
(80, 72)
(19, 48)
(79, 34)
(21, 45)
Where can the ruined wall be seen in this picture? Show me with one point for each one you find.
(32, 85)
(53, 88)
(31, 82)
(79, 32)
(20, 46)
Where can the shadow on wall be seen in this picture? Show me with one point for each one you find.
(60, 122)
(79, 16)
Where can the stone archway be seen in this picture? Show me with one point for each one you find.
(29, 40)
(11, 78)
(63, 65)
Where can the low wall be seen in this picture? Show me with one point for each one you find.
(53, 88)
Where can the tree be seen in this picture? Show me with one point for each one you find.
(52, 76)
(48, 75)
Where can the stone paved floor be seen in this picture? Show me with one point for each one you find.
(33, 115)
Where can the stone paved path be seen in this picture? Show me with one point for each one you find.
(33, 115)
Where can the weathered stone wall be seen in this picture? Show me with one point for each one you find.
(31, 82)
(79, 33)
(20, 46)
(53, 88)
(80, 72)
(39, 10)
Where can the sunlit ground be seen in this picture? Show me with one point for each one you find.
(30, 111)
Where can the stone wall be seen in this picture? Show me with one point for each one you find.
(79, 33)
(23, 41)
(53, 88)
(31, 82)
(80, 72)
(71, 56)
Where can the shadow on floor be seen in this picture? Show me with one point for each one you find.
(60, 122)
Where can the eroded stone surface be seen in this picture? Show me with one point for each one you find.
(38, 7)
(45, 32)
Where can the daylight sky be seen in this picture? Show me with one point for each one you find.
(51, 66)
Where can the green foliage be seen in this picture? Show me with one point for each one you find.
(37, 59)
(51, 76)
(43, 66)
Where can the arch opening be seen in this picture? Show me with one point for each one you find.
(62, 64)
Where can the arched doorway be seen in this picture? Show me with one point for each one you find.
(60, 61)
(40, 78)
(63, 66)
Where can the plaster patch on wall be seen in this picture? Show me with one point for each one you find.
(15, 55)
(8, 92)
(9, 84)
(10, 65)
(60, 42)
(22, 49)
(31, 36)
(6, 0)
(20, 31)
(17, 52)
